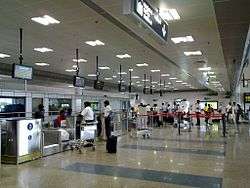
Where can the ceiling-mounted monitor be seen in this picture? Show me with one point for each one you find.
(22, 72)
(98, 85)
(78, 81)
(122, 88)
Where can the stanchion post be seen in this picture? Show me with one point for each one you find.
(223, 125)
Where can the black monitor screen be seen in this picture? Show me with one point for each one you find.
(98, 85)
(22, 72)
(122, 88)
(78, 81)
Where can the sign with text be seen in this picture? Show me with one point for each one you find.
(149, 16)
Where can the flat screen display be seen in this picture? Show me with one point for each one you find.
(122, 88)
(22, 72)
(98, 85)
(246, 97)
(214, 104)
(78, 81)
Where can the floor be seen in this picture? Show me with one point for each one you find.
(193, 159)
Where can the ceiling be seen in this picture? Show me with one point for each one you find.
(81, 21)
(233, 18)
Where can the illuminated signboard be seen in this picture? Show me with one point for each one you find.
(150, 17)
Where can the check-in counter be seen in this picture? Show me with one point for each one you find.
(20, 140)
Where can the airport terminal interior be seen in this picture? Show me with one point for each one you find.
(124, 93)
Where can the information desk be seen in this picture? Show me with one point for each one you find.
(21, 140)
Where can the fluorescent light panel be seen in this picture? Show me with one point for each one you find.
(122, 56)
(204, 68)
(108, 78)
(190, 53)
(135, 77)
(104, 68)
(42, 64)
(121, 73)
(43, 49)
(142, 65)
(45, 20)
(178, 40)
(4, 55)
(170, 14)
(70, 70)
(155, 70)
(80, 60)
(95, 43)
(178, 81)
(92, 75)
(173, 78)
(164, 75)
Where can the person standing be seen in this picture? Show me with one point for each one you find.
(87, 113)
(40, 113)
(229, 111)
(238, 113)
(107, 118)
(198, 112)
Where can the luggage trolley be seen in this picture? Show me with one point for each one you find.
(142, 127)
(87, 136)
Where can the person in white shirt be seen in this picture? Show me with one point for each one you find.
(88, 113)
(142, 112)
(107, 117)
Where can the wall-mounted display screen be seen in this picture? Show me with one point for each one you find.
(98, 85)
(122, 88)
(12, 107)
(214, 104)
(22, 72)
(78, 81)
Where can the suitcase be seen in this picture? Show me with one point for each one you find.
(111, 144)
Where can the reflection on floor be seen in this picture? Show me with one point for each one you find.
(193, 159)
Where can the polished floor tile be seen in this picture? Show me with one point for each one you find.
(197, 160)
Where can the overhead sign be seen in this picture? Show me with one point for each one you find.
(146, 13)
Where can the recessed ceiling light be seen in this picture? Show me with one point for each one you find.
(204, 68)
(70, 70)
(170, 14)
(139, 85)
(137, 82)
(108, 78)
(155, 70)
(95, 43)
(192, 53)
(184, 83)
(135, 77)
(114, 76)
(43, 49)
(104, 68)
(92, 75)
(145, 80)
(42, 64)
(164, 75)
(178, 40)
(173, 78)
(45, 20)
(4, 55)
(153, 86)
(74, 66)
(142, 65)
(122, 56)
(154, 82)
(178, 81)
(160, 84)
(71, 86)
(80, 60)
(169, 83)
(121, 73)
(130, 70)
